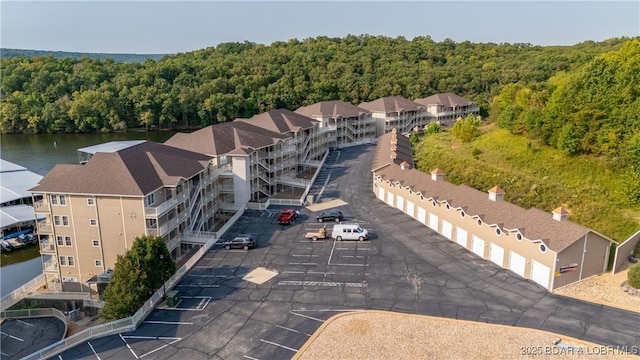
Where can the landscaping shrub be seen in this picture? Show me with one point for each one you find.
(633, 276)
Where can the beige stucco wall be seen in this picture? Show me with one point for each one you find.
(624, 250)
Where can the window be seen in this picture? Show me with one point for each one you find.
(65, 220)
(54, 200)
(150, 199)
(519, 236)
(433, 203)
(93, 222)
(63, 200)
(60, 240)
(151, 223)
(62, 260)
(98, 263)
(56, 220)
(91, 201)
(448, 207)
(543, 249)
(462, 214)
(95, 243)
(498, 231)
(67, 240)
(479, 222)
(70, 260)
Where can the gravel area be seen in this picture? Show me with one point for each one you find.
(384, 335)
(375, 335)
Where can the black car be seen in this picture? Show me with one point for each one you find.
(241, 242)
(331, 215)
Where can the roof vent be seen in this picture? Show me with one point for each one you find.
(496, 194)
(405, 165)
(437, 175)
(560, 214)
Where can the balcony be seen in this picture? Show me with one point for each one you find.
(47, 246)
(50, 266)
(155, 211)
(41, 206)
(44, 228)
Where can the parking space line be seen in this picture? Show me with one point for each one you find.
(350, 264)
(358, 249)
(168, 322)
(198, 285)
(130, 349)
(208, 276)
(60, 357)
(94, 350)
(4, 353)
(295, 272)
(24, 322)
(353, 256)
(249, 357)
(292, 330)
(163, 346)
(308, 317)
(306, 255)
(195, 297)
(11, 336)
(282, 346)
(301, 263)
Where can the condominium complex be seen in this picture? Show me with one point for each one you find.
(177, 190)
(447, 108)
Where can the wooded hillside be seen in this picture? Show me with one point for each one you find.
(45, 94)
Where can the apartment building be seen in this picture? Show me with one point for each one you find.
(544, 247)
(93, 211)
(267, 152)
(344, 123)
(396, 112)
(446, 108)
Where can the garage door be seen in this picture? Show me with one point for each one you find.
(381, 193)
(516, 263)
(496, 254)
(447, 229)
(422, 215)
(390, 198)
(461, 236)
(477, 246)
(400, 203)
(540, 273)
(433, 222)
(410, 209)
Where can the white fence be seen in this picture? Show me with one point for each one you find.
(131, 323)
(11, 299)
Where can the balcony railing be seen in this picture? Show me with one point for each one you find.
(50, 266)
(47, 246)
(41, 206)
(155, 211)
(44, 228)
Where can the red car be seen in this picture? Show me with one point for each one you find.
(287, 216)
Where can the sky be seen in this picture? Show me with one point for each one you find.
(166, 27)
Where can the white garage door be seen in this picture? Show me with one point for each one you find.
(496, 254)
(422, 215)
(447, 229)
(400, 203)
(477, 246)
(461, 236)
(390, 198)
(381, 193)
(433, 222)
(516, 263)
(410, 209)
(540, 273)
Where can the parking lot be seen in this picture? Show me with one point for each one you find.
(21, 337)
(225, 313)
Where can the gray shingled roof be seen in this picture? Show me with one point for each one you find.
(446, 99)
(333, 109)
(382, 155)
(135, 171)
(281, 121)
(391, 104)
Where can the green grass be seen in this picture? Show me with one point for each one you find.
(533, 175)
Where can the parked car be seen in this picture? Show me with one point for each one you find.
(241, 242)
(287, 216)
(331, 215)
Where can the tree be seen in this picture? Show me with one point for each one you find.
(467, 129)
(138, 273)
(633, 276)
(432, 128)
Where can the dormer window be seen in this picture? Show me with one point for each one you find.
(498, 231)
(543, 248)
(519, 236)
(448, 207)
(462, 214)
(479, 222)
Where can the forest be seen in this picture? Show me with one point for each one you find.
(45, 94)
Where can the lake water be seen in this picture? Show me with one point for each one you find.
(39, 153)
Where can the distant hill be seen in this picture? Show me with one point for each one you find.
(119, 58)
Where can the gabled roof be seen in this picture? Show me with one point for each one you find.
(446, 99)
(534, 224)
(333, 109)
(391, 104)
(383, 156)
(135, 171)
(281, 121)
(235, 137)
(15, 181)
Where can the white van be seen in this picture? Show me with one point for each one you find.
(349, 232)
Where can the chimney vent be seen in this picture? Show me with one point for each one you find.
(560, 214)
(496, 194)
(437, 175)
(405, 165)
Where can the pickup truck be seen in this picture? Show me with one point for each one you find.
(287, 216)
